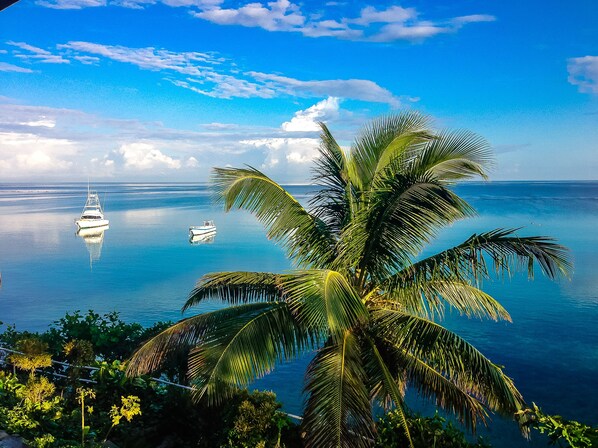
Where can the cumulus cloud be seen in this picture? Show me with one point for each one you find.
(23, 154)
(583, 73)
(280, 15)
(192, 162)
(307, 120)
(144, 156)
(292, 151)
(38, 141)
(290, 157)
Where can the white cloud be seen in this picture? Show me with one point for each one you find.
(210, 75)
(29, 154)
(377, 25)
(148, 58)
(359, 89)
(192, 162)
(280, 15)
(36, 54)
(393, 14)
(291, 157)
(6, 67)
(219, 126)
(583, 73)
(87, 60)
(71, 4)
(372, 24)
(307, 120)
(292, 150)
(144, 156)
(69, 144)
(473, 18)
(398, 31)
(43, 122)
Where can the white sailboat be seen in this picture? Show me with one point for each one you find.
(92, 214)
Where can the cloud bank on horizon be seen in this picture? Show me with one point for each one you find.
(237, 82)
(49, 143)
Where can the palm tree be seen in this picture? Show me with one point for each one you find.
(361, 296)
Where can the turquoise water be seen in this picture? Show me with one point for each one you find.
(144, 267)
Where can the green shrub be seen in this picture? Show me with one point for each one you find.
(426, 432)
(561, 432)
(254, 419)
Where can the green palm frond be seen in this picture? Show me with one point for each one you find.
(454, 155)
(505, 251)
(448, 394)
(182, 336)
(324, 300)
(401, 217)
(237, 287)
(428, 298)
(333, 201)
(450, 355)
(381, 141)
(359, 295)
(245, 347)
(384, 385)
(306, 238)
(337, 412)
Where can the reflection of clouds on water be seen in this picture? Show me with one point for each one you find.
(144, 216)
(41, 229)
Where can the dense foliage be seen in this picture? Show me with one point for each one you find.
(138, 412)
(361, 295)
(560, 431)
(61, 411)
(110, 337)
(426, 432)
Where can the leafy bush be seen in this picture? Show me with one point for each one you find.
(110, 337)
(34, 355)
(255, 420)
(561, 432)
(57, 414)
(426, 432)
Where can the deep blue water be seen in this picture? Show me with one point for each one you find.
(144, 267)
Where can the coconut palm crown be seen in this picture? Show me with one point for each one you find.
(361, 295)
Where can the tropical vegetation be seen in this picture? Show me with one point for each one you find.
(51, 404)
(362, 297)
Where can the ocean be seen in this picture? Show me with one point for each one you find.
(144, 266)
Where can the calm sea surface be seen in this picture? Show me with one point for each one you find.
(144, 266)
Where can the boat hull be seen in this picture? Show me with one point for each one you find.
(89, 224)
(202, 230)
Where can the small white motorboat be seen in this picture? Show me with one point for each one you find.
(92, 215)
(207, 228)
(206, 238)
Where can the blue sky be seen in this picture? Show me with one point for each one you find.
(162, 90)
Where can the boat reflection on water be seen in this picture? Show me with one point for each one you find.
(204, 238)
(94, 239)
